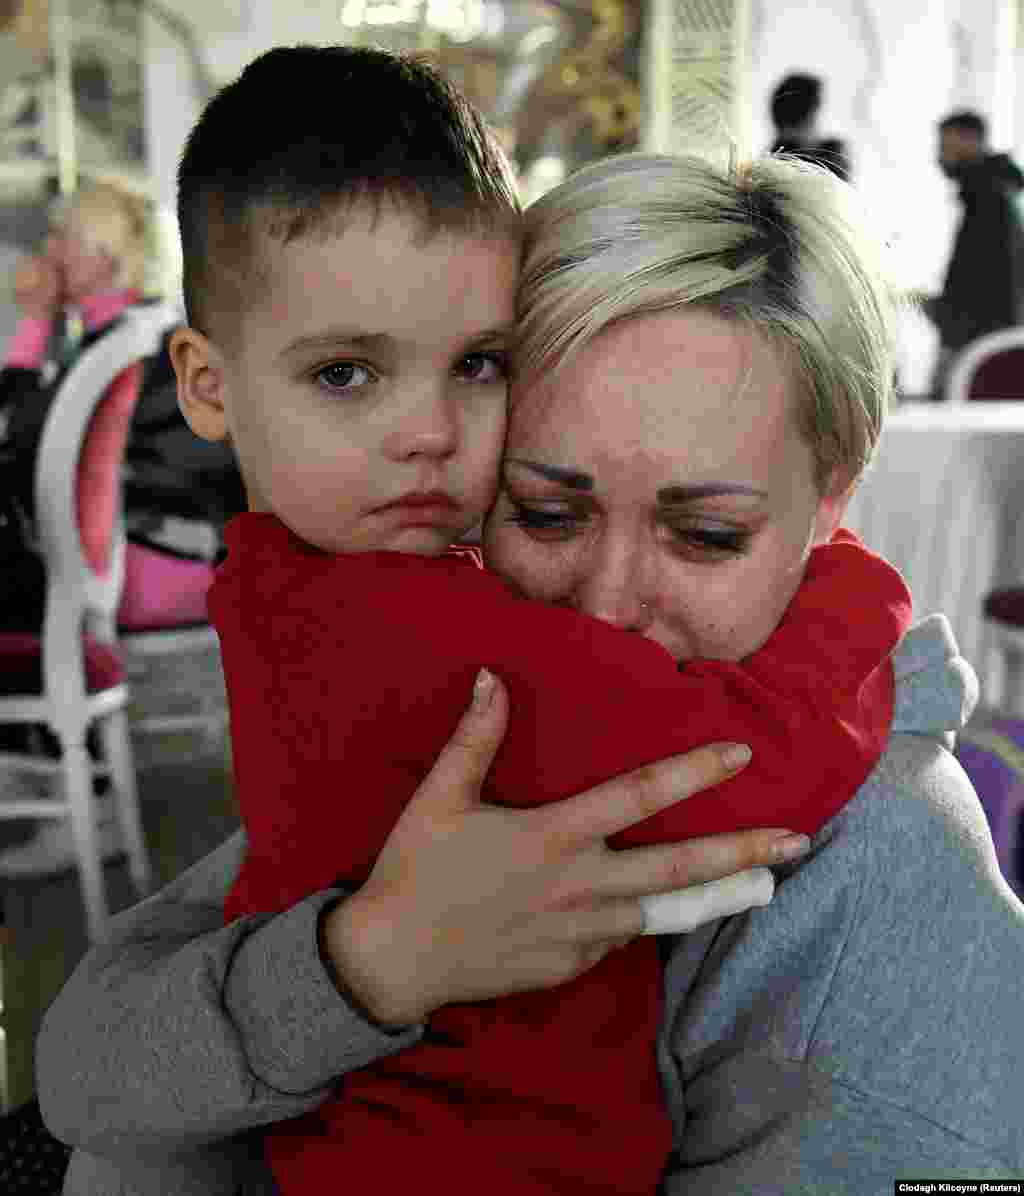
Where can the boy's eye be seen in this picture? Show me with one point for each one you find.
(343, 376)
(484, 367)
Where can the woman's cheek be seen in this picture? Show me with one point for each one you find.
(534, 568)
(714, 611)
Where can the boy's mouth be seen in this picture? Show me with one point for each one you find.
(421, 500)
(431, 508)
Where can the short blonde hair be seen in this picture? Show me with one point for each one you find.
(112, 218)
(776, 242)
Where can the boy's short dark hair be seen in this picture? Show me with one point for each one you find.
(795, 100)
(306, 130)
(967, 121)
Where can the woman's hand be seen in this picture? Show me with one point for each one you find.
(469, 901)
(38, 287)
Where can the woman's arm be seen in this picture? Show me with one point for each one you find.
(182, 1030)
(866, 1027)
(176, 1001)
(591, 701)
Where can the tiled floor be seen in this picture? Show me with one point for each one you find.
(187, 810)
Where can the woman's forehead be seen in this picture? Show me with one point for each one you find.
(661, 382)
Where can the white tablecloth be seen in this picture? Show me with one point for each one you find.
(942, 502)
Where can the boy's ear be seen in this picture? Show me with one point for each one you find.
(832, 507)
(202, 386)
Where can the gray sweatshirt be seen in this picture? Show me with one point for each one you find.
(867, 1025)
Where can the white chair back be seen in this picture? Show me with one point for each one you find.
(78, 463)
(79, 596)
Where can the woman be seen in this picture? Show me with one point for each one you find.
(706, 357)
(92, 268)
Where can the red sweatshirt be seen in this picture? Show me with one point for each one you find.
(346, 676)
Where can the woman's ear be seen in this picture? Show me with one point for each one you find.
(202, 386)
(835, 498)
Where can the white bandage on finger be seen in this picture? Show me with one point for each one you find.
(686, 909)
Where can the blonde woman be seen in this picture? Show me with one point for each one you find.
(705, 363)
(92, 267)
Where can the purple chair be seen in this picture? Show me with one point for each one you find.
(993, 758)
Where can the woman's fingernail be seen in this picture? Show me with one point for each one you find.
(483, 690)
(791, 847)
(735, 755)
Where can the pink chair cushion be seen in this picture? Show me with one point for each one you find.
(162, 591)
(98, 484)
(21, 664)
(999, 377)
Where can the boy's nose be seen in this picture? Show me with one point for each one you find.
(428, 428)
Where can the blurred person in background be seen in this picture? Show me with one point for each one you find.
(795, 105)
(90, 269)
(983, 290)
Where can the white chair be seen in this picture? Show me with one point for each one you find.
(71, 678)
(163, 616)
(979, 360)
(992, 367)
(208, 715)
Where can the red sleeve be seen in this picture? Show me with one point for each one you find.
(348, 679)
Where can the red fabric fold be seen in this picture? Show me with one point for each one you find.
(346, 676)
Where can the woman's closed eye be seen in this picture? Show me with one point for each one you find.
(544, 520)
(711, 540)
(706, 540)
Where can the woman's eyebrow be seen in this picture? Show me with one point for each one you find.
(572, 478)
(675, 495)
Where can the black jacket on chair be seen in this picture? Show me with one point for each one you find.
(168, 472)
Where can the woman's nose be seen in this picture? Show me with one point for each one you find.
(613, 589)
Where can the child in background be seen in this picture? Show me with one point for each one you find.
(350, 295)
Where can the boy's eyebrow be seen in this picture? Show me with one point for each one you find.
(492, 334)
(329, 337)
(334, 336)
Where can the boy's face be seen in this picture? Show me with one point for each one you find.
(365, 391)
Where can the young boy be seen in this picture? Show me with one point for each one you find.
(350, 300)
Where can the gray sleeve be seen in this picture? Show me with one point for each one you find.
(866, 1026)
(180, 1031)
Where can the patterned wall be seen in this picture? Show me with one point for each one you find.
(696, 81)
